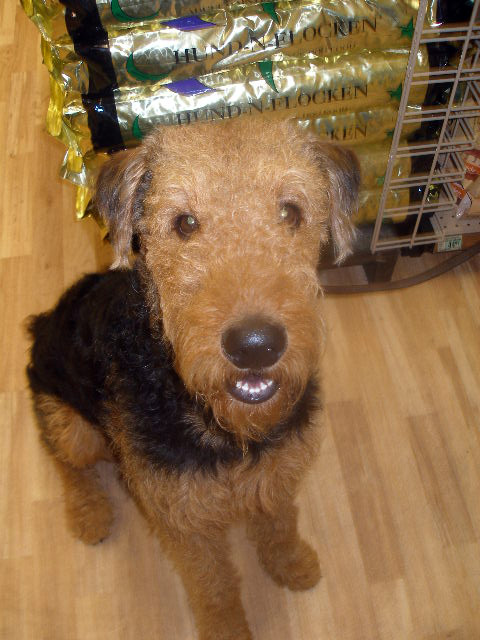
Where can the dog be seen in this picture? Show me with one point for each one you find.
(196, 370)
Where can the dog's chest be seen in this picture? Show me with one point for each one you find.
(196, 499)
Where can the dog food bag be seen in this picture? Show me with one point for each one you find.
(288, 88)
(369, 200)
(373, 160)
(355, 128)
(98, 55)
(59, 20)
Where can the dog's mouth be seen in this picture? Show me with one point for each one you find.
(253, 388)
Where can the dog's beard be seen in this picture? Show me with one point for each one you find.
(249, 422)
(209, 380)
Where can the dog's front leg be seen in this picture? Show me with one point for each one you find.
(288, 559)
(211, 582)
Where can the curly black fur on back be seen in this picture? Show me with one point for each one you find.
(96, 350)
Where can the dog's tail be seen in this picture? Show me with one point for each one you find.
(36, 326)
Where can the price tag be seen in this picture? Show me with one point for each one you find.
(452, 243)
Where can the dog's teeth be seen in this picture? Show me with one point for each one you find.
(248, 387)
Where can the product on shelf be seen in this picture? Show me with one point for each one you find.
(468, 191)
(368, 202)
(96, 52)
(373, 159)
(120, 67)
(295, 88)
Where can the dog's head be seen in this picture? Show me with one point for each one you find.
(231, 219)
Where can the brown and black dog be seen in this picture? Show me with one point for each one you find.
(197, 370)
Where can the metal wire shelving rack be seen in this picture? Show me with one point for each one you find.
(434, 218)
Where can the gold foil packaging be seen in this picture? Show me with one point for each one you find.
(303, 87)
(117, 16)
(373, 160)
(306, 88)
(166, 49)
(357, 127)
(369, 200)
(120, 67)
(125, 11)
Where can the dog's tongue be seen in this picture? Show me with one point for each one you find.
(253, 389)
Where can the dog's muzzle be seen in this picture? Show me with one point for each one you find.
(253, 345)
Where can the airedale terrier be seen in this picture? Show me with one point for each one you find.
(196, 370)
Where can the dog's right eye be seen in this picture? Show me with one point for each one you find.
(291, 215)
(185, 225)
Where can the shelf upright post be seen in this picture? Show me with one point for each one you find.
(417, 35)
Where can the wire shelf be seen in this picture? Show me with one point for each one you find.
(432, 216)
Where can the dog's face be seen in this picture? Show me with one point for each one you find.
(231, 219)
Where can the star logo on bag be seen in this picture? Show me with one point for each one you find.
(266, 69)
(407, 30)
(269, 7)
(136, 131)
(396, 94)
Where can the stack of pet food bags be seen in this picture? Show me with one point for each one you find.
(120, 67)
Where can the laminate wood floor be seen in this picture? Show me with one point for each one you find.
(392, 505)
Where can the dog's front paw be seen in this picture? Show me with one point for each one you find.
(224, 629)
(227, 634)
(89, 517)
(295, 567)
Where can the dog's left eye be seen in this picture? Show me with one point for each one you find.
(291, 214)
(185, 225)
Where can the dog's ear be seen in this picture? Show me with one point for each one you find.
(121, 187)
(342, 169)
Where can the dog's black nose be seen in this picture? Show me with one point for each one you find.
(254, 343)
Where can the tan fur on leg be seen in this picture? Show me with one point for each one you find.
(72, 439)
(288, 559)
(211, 583)
(87, 508)
(76, 447)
